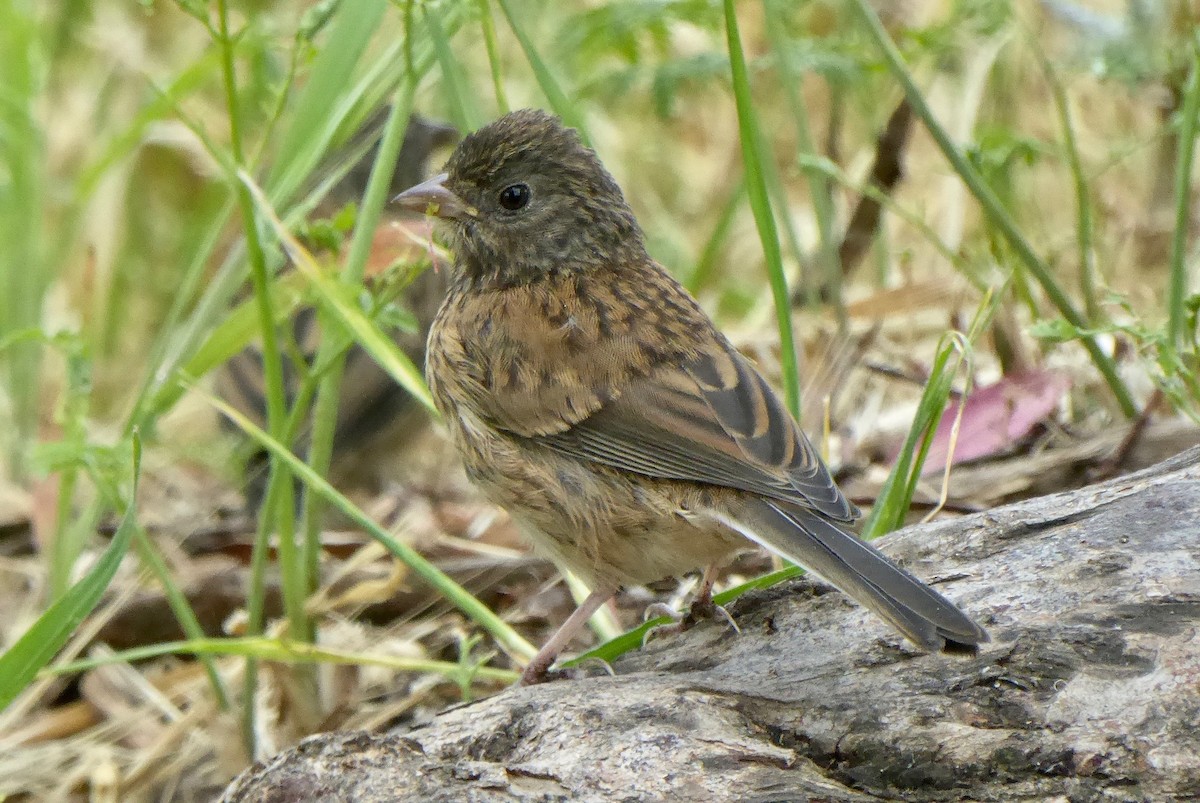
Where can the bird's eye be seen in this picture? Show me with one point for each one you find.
(515, 196)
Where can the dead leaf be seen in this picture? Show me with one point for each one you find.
(996, 417)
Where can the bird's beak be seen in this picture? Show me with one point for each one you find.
(433, 198)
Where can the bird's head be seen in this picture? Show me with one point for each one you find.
(522, 198)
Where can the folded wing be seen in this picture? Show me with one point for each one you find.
(714, 420)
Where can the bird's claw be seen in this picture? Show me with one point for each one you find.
(705, 608)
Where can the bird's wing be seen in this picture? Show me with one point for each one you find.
(712, 419)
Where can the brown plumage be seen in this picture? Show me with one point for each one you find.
(591, 396)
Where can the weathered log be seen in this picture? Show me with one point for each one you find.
(1090, 689)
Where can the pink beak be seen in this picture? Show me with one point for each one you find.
(433, 198)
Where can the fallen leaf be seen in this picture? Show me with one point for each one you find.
(996, 417)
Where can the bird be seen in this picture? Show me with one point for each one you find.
(589, 394)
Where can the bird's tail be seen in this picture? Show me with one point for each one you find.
(855, 567)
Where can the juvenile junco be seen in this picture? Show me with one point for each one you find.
(590, 395)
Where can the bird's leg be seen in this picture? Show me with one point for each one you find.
(538, 669)
(703, 606)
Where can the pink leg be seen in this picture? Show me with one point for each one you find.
(537, 670)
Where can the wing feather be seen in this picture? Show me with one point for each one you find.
(713, 420)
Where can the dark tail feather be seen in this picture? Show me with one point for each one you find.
(855, 567)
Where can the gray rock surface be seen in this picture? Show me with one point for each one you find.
(1089, 691)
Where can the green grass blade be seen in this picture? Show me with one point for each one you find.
(150, 557)
(333, 296)
(1084, 227)
(464, 110)
(508, 638)
(23, 278)
(830, 273)
(562, 105)
(284, 652)
(180, 331)
(330, 352)
(706, 265)
(895, 498)
(181, 334)
(754, 157)
(236, 331)
(489, 40)
(602, 622)
(1188, 124)
(995, 211)
(277, 513)
(21, 662)
(315, 120)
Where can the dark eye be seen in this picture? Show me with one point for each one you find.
(515, 196)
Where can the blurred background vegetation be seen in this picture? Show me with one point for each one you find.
(153, 156)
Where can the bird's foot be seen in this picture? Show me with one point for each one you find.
(661, 610)
(704, 608)
(533, 675)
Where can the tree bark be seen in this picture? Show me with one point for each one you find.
(1089, 690)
